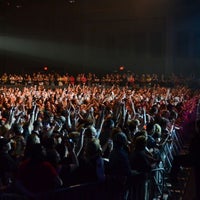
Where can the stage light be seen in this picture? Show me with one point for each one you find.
(121, 68)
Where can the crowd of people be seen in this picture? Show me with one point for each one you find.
(61, 136)
(119, 77)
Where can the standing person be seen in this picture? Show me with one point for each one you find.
(119, 167)
(106, 137)
(91, 167)
(140, 162)
(36, 175)
(8, 167)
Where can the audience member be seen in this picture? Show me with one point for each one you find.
(103, 118)
(8, 166)
(36, 175)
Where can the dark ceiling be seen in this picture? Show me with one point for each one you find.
(99, 9)
(99, 31)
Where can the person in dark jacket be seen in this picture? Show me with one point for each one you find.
(8, 166)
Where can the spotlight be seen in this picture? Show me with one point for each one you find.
(45, 68)
(121, 68)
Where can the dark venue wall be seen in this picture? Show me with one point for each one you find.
(91, 35)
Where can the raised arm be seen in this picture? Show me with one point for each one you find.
(100, 121)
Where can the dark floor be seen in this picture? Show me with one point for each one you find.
(184, 188)
(190, 189)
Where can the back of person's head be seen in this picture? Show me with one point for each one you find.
(119, 140)
(62, 119)
(153, 110)
(133, 124)
(33, 138)
(163, 123)
(150, 128)
(140, 143)
(37, 125)
(115, 131)
(173, 115)
(141, 133)
(90, 132)
(157, 131)
(108, 124)
(17, 129)
(165, 113)
(48, 114)
(87, 122)
(92, 149)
